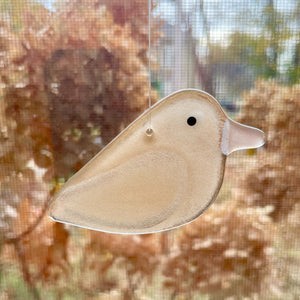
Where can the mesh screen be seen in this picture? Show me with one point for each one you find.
(74, 73)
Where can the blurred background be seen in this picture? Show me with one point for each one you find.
(74, 73)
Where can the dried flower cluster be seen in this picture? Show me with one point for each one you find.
(70, 81)
(138, 257)
(226, 251)
(44, 249)
(274, 180)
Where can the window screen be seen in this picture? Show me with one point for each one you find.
(74, 73)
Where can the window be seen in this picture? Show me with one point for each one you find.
(74, 73)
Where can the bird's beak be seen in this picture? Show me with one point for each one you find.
(237, 136)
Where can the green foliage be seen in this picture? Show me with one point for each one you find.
(13, 9)
(294, 68)
(260, 45)
(12, 283)
(255, 51)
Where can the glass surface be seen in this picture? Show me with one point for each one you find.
(144, 184)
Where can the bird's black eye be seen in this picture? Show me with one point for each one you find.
(191, 121)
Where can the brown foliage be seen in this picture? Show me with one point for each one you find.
(225, 251)
(274, 180)
(274, 109)
(44, 248)
(85, 69)
(70, 80)
(137, 256)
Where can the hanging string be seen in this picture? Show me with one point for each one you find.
(149, 130)
(149, 49)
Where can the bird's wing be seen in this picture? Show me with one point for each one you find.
(131, 198)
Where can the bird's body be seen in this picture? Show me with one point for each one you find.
(143, 184)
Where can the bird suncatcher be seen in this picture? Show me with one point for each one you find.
(163, 171)
(148, 182)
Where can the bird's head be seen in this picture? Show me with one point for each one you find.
(193, 119)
